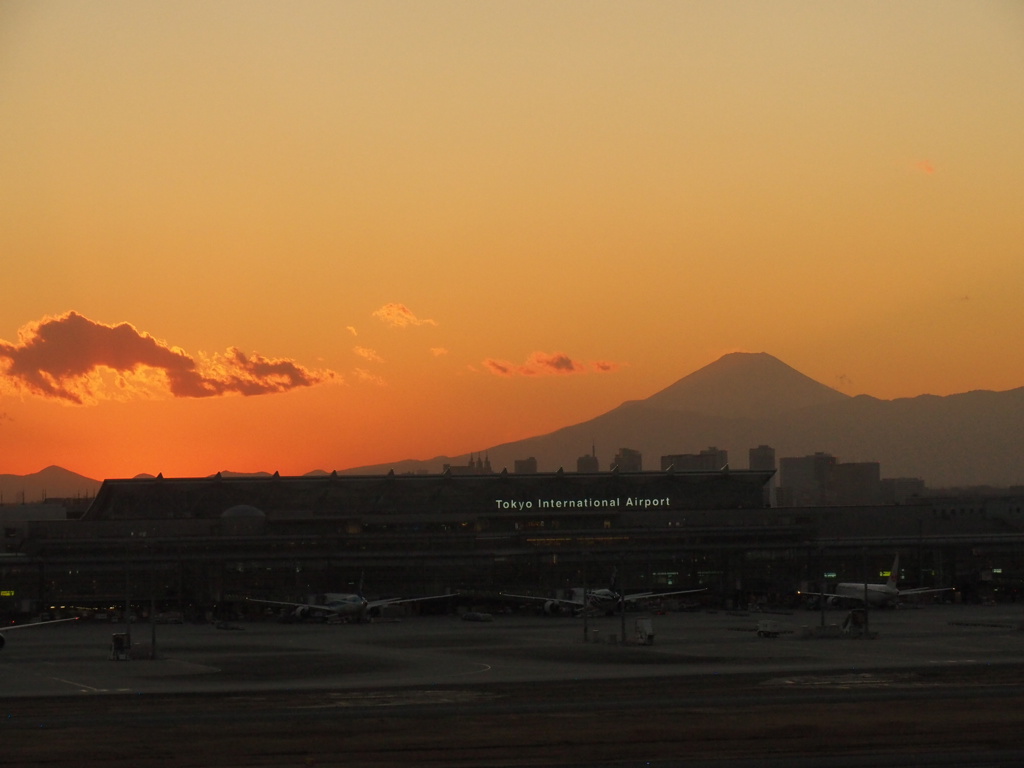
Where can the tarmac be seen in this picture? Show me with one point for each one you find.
(75, 658)
(524, 690)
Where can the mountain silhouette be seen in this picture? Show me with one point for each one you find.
(744, 400)
(738, 402)
(744, 385)
(50, 483)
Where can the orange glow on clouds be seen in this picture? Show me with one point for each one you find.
(368, 354)
(66, 357)
(544, 364)
(439, 229)
(400, 316)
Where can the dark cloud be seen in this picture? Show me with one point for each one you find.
(65, 357)
(547, 364)
(499, 368)
(557, 363)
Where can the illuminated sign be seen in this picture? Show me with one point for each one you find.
(635, 502)
(6, 593)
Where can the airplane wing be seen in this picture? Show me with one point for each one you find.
(397, 600)
(310, 606)
(858, 598)
(650, 595)
(9, 627)
(559, 600)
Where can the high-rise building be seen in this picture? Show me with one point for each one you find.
(525, 466)
(628, 460)
(476, 466)
(820, 480)
(806, 480)
(856, 483)
(763, 458)
(709, 460)
(899, 490)
(588, 464)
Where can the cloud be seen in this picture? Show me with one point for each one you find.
(351, 329)
(499, 367)
(70, 357)
(548, 364)
(438, 351)
(368, 354)
(925, 166)
(400, 316)
(371, 378)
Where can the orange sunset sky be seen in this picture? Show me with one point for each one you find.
(292, 236)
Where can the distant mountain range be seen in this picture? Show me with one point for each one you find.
(736, 403)
(744, 400)
(50, 483)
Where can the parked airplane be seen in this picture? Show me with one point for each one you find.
(606, 601)
(876, 595)
(8, 628)
(344, 606)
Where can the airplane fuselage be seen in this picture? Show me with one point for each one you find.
(607, 601)
(345, 604)
(603, 600)
(876, 594)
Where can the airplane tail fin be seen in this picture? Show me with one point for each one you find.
(894, 575)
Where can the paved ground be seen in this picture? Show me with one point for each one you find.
(522, 690)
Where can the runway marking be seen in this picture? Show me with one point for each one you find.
(81, 685)
(483, 668)
(396, 698)
(854, 680)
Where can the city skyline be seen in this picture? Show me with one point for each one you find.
(753, 404)
(252, 237)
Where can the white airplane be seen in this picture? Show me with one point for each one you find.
(344, 606)
(10, 627)
(606, 601)
(877, 595)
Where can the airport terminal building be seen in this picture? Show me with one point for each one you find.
(202, 544)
